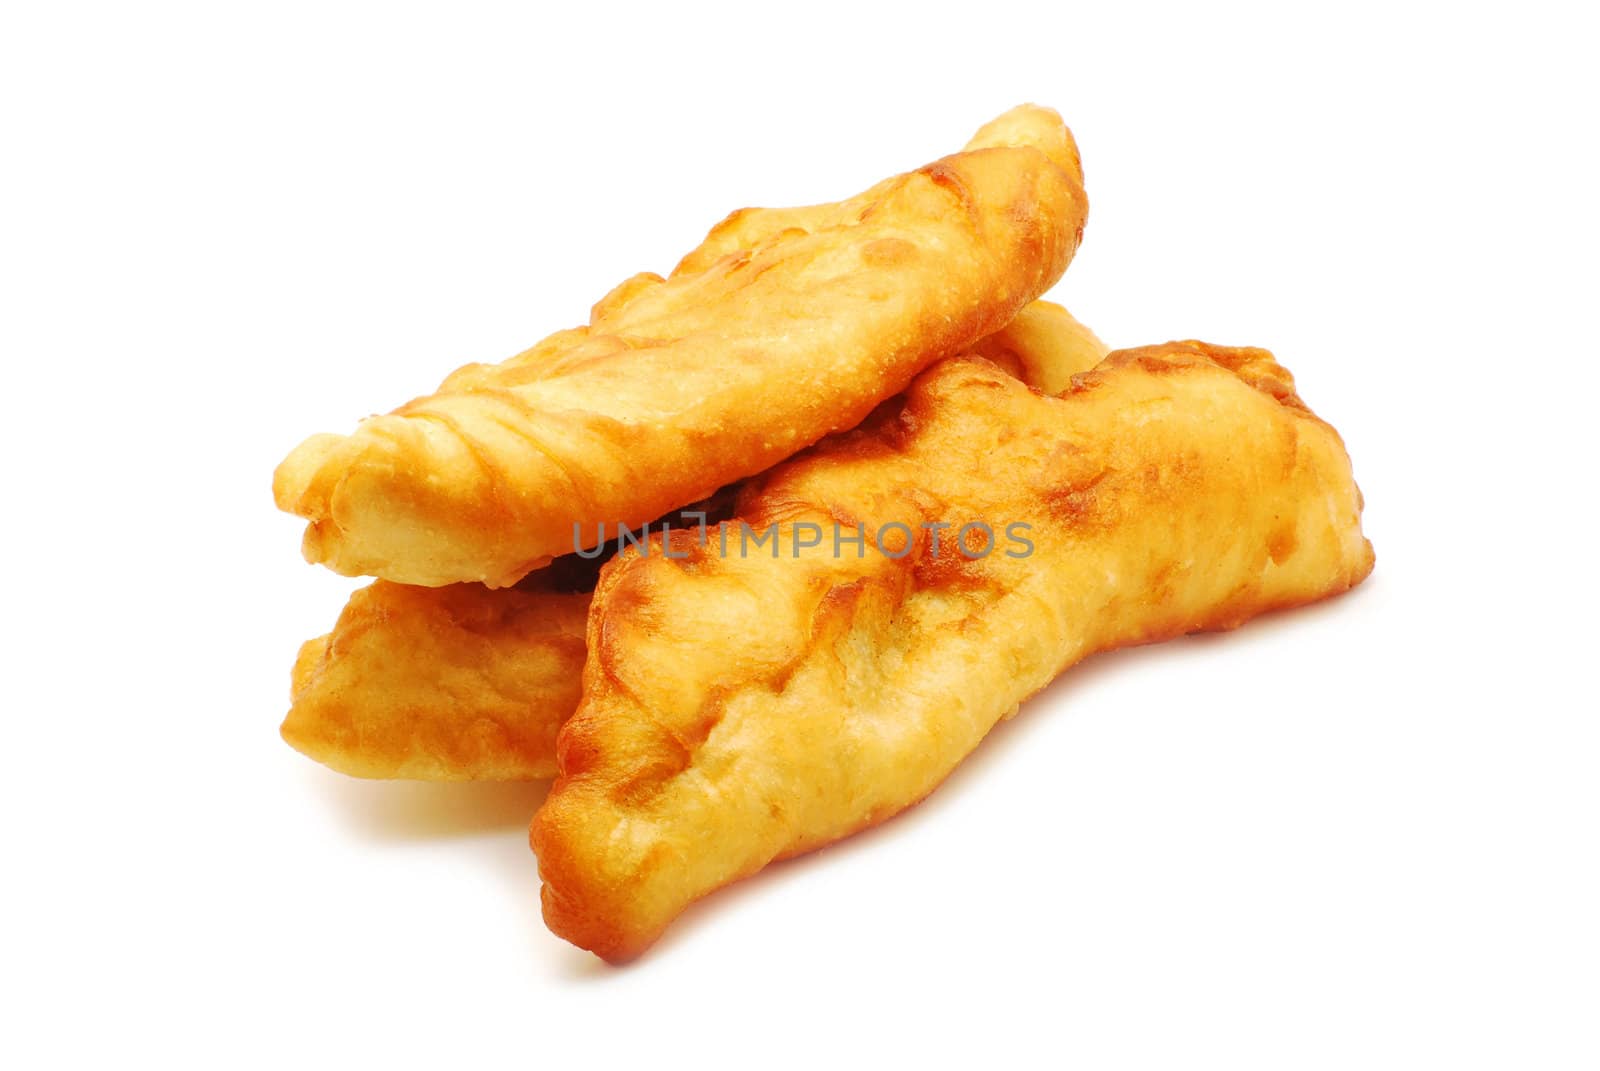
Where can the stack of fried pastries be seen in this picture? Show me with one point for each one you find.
(875, 495)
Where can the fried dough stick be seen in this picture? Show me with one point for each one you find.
(468, 683)
(440, 684)
(784, 327)
(739, 710)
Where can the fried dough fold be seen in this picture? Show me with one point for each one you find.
(784, 326)
(741, 709)
(469, 683)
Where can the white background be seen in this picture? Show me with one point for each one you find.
(1361, 835)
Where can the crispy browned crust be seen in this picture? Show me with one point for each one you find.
(787, 325)
(741, 709)
(465, 683)
(441, 684)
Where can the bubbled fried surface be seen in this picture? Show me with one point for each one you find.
(786, 326)
(738, 710)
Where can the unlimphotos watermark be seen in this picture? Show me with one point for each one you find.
(896, 539)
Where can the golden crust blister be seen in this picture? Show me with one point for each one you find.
(786, 326)
(739, 709)
(465, 682)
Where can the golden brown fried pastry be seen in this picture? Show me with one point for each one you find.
(786, 326)
(465, 682)
(441, 684)
(740, 709)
